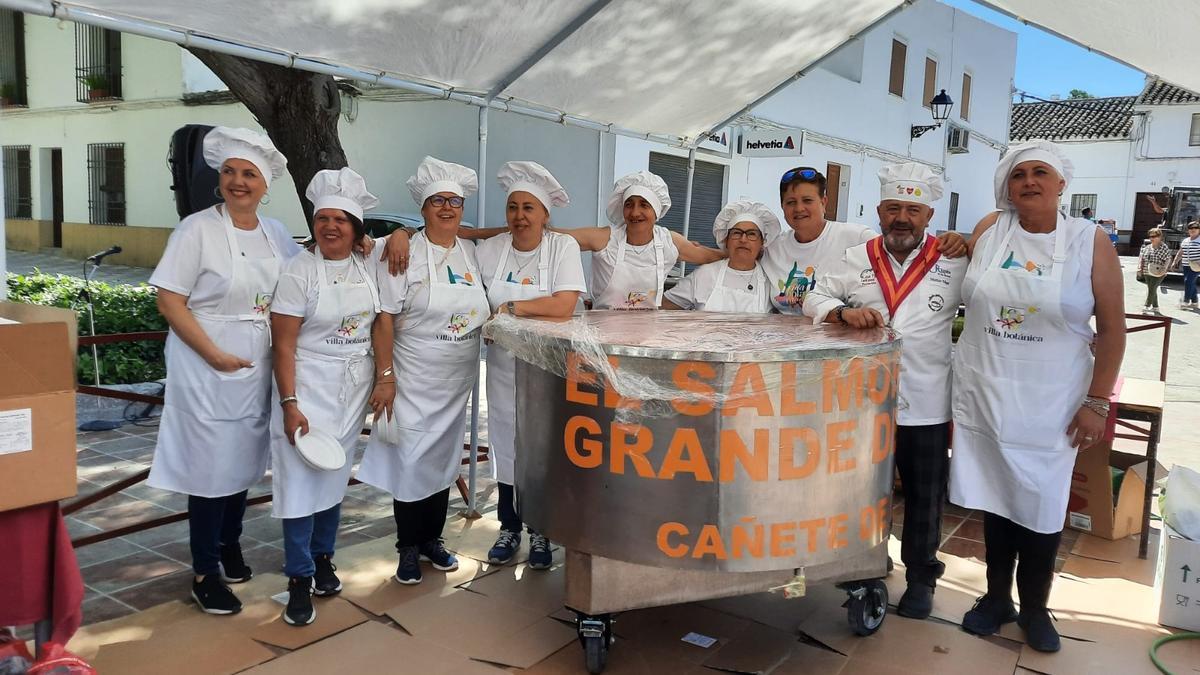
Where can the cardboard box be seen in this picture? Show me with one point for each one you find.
(1178, 580)
(37, 405)
(1092, 508)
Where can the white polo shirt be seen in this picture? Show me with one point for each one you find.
(924, 319)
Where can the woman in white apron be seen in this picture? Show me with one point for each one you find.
(738, 283)
(1027, 395)
(632, 257)
(215, 283)
(529, 272)
(321, 328)
(432, 315)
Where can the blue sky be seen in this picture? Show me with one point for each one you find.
(1074, 67)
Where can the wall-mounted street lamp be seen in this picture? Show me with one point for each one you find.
(940, 107)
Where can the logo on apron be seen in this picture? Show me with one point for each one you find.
(796, 286)
(1011, 263)
(1011, 322)
(262, 303)
(351, 329)
(637, 299)
(525, 281)
(456, 329)
(465, 278)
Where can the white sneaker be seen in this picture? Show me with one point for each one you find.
(1146, 309)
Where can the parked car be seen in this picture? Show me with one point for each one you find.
(383, 224)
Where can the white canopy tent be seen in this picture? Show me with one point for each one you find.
(664, 70)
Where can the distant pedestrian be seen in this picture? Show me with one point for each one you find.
(1153, 262)
(1189, 260)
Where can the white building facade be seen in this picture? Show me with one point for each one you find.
(86, 169)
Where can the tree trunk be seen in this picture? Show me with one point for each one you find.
(298, 109)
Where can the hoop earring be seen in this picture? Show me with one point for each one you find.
(266, 199)
(217, 193)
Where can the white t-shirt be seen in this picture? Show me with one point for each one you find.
(924, 320)
(252, 243)
(639, 263)
(411, 289)
(197, 262)
(792, 267)
(693, 290)
(297, 291)
(565, 269)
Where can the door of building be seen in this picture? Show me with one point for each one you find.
(56, 194)
(1147, 213)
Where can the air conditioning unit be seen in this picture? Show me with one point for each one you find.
(956, 139)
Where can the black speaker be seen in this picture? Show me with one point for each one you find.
(193, 181)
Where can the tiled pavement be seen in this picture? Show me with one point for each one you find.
(51, 261)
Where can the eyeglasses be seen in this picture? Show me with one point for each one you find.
(748, 235)
(1156, 236)
(440, 201)
(801, 173)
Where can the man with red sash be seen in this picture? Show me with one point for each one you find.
(899, 280)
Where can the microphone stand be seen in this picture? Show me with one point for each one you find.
(86, 295)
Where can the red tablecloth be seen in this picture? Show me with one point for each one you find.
(41, 578)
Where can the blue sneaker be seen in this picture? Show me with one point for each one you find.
(435, 553)
(408, 572)
(540, 557)
(505, 547)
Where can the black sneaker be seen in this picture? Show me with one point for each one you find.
(1040, 633)
(300, 610)
(234, 569)
(505, 547)
(325, 582)
(540, 557)
(917, 601)
(408, 571)
(215, 597)
(435, 553)
(988, 615)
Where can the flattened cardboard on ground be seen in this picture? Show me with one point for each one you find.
(1088, 608)
(374, 648)
(539, 590)
(1136, 570)
(200, 645)
(812, 660)
(1092, 508)
(367, 580)
(663, 628)
(757, 649)
(473, 538)
(500, 632)
(334, 615)
(930, 647)
(624, 658)
(1113, 550)
(771, 609)
(827, 624)
(137, 626)
(37, 405)
(1178, 581)
(965, 580)
(1115, 649)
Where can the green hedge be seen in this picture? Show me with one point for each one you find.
(120, 308)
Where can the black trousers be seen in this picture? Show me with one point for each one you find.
(923, 459)
(213, 522)
(506, 508)
(1007, 542)
(420, 521)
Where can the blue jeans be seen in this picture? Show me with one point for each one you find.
(1189, 283)
(309, 536)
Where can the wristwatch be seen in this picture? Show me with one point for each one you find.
(837, 314)
(511, 307)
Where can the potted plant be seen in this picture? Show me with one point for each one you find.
(8, 93)
(97, 85)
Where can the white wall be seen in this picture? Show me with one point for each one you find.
(1166, 129)
(196, 76)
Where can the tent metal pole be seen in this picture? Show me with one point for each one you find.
(557, 39)
(687, 200)
(480, 211)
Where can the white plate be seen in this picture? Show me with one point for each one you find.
(320, 450)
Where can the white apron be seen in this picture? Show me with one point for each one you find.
(725, 299)
(501, 368)
(1015, 395)
(626, 284)
(334, 376)
(213, 435)
(436, 360)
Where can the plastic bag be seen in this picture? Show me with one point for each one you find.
(56, 660)
(14, 655)
(1181, 506)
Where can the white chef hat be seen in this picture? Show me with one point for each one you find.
(434, 176)
(1044, 151)
(224, 143)
(642, 184)
(340, 189)
(910, 182)
(533, 178)
(746, 211)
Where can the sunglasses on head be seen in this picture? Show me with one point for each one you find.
(801, 173)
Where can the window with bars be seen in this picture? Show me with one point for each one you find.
(97, 64)
(18, 182)
(1081, 202)
(12, 59)
(1194, 136)
(106, 183)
